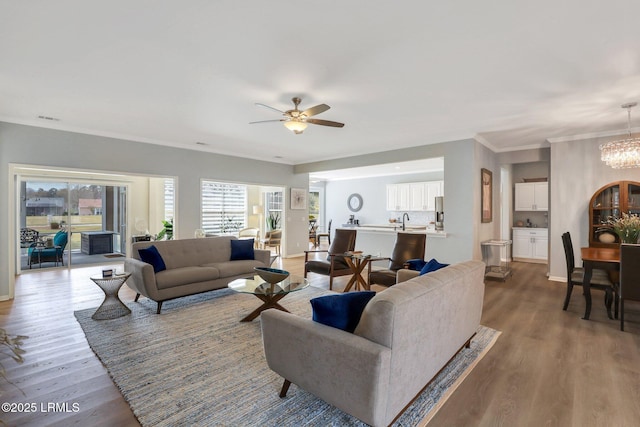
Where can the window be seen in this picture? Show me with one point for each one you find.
(274, 205)
(314, 204)
(224, 207)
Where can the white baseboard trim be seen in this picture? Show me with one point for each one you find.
(558, 279)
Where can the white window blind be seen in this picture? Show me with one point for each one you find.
(169, 198)
(224, 207)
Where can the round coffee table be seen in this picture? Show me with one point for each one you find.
(111, 307)
(270, 294)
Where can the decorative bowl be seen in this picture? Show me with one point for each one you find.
(607, 237)
(271, 275)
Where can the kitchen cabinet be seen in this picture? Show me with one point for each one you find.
(398, 197)
(530, 244)
(414, 196)
(532, 196)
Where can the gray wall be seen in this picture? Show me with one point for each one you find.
(462, 162)
(576, 173)
(373, 192)
(46, 147)
(487, 159)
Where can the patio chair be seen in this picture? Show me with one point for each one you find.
(38, 253)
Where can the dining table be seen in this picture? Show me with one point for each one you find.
(602, 258)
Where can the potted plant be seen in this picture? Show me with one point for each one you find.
(273, 221)
(167, 230)
(626, 227)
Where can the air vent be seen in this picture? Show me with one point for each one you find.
(53, 119)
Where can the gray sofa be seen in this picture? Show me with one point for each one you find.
(406, 335)
(193, 266)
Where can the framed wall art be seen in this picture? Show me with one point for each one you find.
(298, 198)
(486, 209)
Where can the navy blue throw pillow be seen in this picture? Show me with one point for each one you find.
(432, 265)
(242, 249)
(151, 256)
(415, 264)
(341, 311)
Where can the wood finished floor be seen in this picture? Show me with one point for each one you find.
(549, 367)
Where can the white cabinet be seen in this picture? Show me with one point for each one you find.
(531, 243)
(414, 196)
(398, 197)
(532, 196)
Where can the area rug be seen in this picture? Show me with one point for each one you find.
(197, 364)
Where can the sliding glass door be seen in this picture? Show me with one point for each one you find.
(64, 223)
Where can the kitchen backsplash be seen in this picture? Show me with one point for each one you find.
(538, 219)
(416, 218)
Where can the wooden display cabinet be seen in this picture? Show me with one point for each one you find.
(610, 202)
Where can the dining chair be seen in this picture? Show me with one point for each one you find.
(408, 246)
(250, 232)
(327, 235)
(629, 286)
(575, 276)
(334, 265)
(313, 230)
(272, 239)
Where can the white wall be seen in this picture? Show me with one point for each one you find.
(576, 174)
(39, 146)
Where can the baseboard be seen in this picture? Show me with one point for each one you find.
(531, 260)
(558, 279)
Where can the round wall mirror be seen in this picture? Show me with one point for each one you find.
(354, 202)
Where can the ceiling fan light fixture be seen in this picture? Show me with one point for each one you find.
(624, 153)
(295, 125)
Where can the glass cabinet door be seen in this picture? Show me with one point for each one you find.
(607, 204)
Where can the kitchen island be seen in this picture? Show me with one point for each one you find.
(379, 239)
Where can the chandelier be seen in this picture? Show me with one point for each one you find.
(623, 153)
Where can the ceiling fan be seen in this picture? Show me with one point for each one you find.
(296, 120)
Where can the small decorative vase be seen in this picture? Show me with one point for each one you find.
(629, 236)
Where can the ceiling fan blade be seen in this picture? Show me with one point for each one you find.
(265, 121)
(271, 108)
(325, 123)
(321, 108)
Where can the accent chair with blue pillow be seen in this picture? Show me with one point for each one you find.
(408, 246)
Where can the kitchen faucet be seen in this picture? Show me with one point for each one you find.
(404, 215)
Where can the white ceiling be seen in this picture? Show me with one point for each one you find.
(510, 73)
